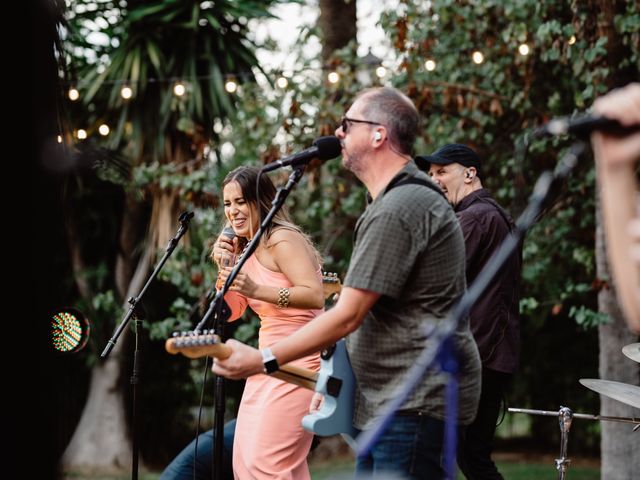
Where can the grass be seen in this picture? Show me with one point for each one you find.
(342, 469)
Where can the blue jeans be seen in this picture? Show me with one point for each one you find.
(181, 467)
(411, 447)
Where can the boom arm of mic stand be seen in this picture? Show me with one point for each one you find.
(184, 219)
(541, 190)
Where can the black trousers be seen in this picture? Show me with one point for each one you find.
(476, 441)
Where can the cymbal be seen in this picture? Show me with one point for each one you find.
(632, 351)
(623, 392)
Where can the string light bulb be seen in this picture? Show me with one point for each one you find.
(73, 94)
(82, 134)
(523, 49)
(282, 82)
(59, 138)
(477, 57)
(104, 129)
(572, 39)
(179, 89)
(126, 92)
(430, 65)
(381, 72)
(333, 77)
(231, 86)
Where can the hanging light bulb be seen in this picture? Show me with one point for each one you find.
(430, 65)
(333, 77)
(82, 134)
(381, 72)
(523, 49)
(572, 39)
(59, 138)
(231, 86)
(126, 92)
(104, 129)
(74, 94)
(477, 57)
(282, 82)
(179, 89)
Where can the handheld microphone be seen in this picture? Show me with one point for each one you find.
(229, 233)
(583, 125)
(324, 148)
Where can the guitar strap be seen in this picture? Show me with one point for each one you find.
(409, 181)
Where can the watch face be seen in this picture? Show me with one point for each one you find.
(269, 361)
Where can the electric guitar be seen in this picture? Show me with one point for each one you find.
(335, 380)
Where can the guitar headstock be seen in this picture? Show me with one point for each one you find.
(196, 345)
(331, 284)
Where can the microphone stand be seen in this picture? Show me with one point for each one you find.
(219, 310)
(443, 332)
(135, 312)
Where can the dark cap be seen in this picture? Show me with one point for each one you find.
(450, 153)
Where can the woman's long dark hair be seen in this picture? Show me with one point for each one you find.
(246, 177)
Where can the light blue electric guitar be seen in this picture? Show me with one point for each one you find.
(335, 380)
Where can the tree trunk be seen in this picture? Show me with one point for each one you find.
(101, 441)
(337, 23)
(619, 443)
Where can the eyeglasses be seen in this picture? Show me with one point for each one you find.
(344, 124)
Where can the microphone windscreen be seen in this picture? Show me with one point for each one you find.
(328, 147)
(229, 233)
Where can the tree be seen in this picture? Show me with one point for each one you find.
(149, 46)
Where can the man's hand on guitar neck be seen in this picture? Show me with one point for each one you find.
(243, 362)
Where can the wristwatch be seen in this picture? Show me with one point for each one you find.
(269, 361)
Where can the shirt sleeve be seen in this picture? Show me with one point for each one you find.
(383, 255)
(473, 238)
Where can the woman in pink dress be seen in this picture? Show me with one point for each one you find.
(282, 283)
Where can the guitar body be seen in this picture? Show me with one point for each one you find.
(337, 383)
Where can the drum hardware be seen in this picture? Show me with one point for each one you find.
(565, 417)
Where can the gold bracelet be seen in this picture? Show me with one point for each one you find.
(283, 298)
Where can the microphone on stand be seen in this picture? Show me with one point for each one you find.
(583, 125)
(324, 148)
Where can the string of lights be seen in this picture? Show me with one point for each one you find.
(231, 85)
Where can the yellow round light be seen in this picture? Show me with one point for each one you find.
(74, 94)
(231, 86)
(381, 72)
(333, 77)
(82, 134)
(126, 93)
(572, 39)
(104, 129)
(179, 89)
(282, 82)
(430, 65)
(523, 49)
(477, 57)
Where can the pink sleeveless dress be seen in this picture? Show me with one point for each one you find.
(270, 442)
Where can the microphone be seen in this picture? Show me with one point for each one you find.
(185, 217)
(324, 148)
(229, 233)
(583, 125)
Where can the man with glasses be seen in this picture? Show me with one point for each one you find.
(405, 274)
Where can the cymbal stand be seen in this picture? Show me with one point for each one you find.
(565, 417)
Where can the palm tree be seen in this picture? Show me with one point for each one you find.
(148, 46)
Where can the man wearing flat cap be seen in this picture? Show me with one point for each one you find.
(495, 317)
